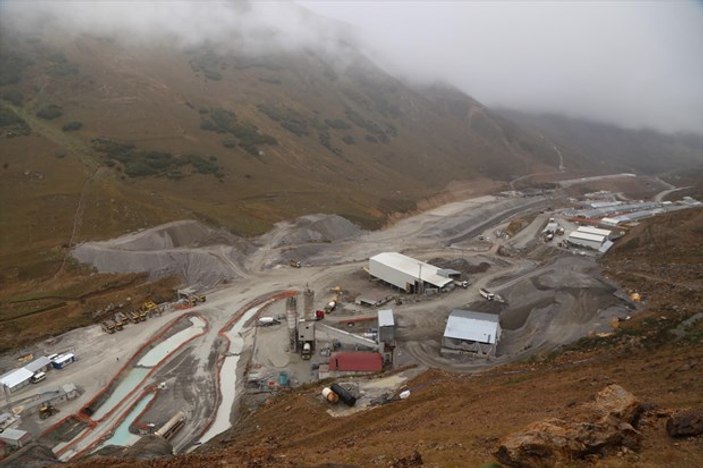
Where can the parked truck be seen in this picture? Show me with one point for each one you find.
(486, 294)
(306, 351)
(268, 321)
(108, 326)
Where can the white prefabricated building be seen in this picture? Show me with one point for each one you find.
(406, 273)
(584, 239)
(472, 331)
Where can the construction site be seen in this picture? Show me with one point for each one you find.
(458, 288)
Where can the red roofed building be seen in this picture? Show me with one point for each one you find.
(347, 361)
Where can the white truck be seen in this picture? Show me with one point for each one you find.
(486, 294)
(268, 321)
(306, 352)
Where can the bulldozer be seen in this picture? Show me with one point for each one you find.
(46, 410)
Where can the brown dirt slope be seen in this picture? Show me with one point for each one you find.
(457, 419)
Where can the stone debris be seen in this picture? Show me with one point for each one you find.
(685, 424)
(604, 427)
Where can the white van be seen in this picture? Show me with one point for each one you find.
(38, 377)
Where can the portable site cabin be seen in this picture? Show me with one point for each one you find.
(15, 437)
(16, 379)
(470, 331)
(63, 360)
(408, 274)
(41, 364)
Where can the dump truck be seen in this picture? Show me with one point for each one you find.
(486, 294)
(134, 316)
(120, 320)
(108, 326)
(331, 305)
(295, 263)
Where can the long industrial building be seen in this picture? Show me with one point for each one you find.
(408, 274)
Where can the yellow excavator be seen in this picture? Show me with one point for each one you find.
(47, 410)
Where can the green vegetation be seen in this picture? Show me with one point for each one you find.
(348, 139)
(72, 126)
(13, 96)
(286, 117)
(60, 66)
(12, 66)
(139, 163)
(50, 112)
(207, 62)
(375, 130)
(248, 135)
(339, 124)
(12, 124)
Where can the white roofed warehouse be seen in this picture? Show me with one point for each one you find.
(408, 274)
(587, 240)
(474, 332)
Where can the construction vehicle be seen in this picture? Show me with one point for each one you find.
(120, 320)
(134, 316)
(331, 305)
(486, 294)
(148, 306)
(295, 263)
(46, 410)
(108, 326)
(268, 321)
(189, 298)
(306, 351)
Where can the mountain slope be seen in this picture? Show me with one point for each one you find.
(589, 145)
(104, 137)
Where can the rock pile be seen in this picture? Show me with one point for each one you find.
(605, 426)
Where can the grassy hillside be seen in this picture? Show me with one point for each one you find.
(100, 137)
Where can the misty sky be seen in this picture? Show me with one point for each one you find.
(631, 63)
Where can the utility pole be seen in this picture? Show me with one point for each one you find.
(419, 285)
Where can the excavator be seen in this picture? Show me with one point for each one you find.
(148, 307)
(47, 410)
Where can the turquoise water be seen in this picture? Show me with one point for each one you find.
(123, 389)
(122, 436)
(163, 349)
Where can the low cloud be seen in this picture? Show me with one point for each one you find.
(636, 64)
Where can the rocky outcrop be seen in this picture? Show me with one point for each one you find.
(685, 424)
(603, 427)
